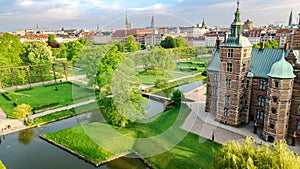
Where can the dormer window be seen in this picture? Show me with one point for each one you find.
(274, 110)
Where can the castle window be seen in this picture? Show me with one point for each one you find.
(215, 91)
(228, 83)
(272, 126)
(274, 110)
(227, 99)
(215, 77)
(261, 101)
(230, 53)
(244, 67)
(275, 99)
(298, 125)
(229, 67)
(262, 84)
(247, 84)
(226, 112)
(259, 114)
(214, 103)
(276, 84)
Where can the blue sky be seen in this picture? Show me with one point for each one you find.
(109, 14)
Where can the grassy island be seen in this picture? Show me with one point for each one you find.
(160, 136)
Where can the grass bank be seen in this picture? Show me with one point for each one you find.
(160, 140)
(2, 165)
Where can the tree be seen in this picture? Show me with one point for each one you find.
(107, 67)
(22, 111)
(168, 42)
(177, 96)
(127, 96)
(73, 50)
(36, 52)
(52, 41)
(272, 44)
(10, 50)
(180, 42)
(119, 45)
(159, 60)
(249, 155)
(130, 44)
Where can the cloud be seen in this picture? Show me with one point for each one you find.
(156, 7)
(8, 14)
(26, 3)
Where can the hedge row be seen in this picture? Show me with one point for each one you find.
(6, 97)
(45, 106)
(54, 84)
(25, 89)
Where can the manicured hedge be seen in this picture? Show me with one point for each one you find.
(25, 89)
(45, 106)
(82, 97)
(6, 97)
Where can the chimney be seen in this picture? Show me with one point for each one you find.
(226, 37)
(262, 46)
(218, 41)
(286, 46)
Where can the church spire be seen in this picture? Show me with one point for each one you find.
(126, 18)
(152, 22)
(203, 23)
(291, 18)
(236, 26)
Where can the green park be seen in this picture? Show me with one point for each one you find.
(110, 78)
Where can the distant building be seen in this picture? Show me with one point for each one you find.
(210, 39)
(103, 37)
(254, 36)
(282, 37)
(248, 26)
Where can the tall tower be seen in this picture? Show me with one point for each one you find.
(234, 95)
(203, 24)
(127, 24)
(279, 95)
(152, 22)
(291, 19)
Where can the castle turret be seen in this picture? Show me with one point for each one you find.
(279, 95)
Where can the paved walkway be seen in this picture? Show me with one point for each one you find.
(61, 109)
(17, 125)
(204, 124)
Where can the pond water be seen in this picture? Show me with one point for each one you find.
(25, 150)
(184, 88)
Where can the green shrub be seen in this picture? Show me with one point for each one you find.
(45, 106)
(161, 83)
(6, 97)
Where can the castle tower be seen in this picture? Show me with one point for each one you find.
(291, 19)
(234, 95)
(279, 95)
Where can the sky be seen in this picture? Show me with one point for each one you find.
(110, 14)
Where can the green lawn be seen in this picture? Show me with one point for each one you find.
(41, 96)
(2, 165)
(66, 113)
(160, 136)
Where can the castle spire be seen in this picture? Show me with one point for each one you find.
(236, 26)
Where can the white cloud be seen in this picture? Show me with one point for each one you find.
(26, 3)
(155, 7)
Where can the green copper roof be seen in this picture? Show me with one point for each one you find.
(282, 69)
(263, 60)
(214, 64)
(232, 41)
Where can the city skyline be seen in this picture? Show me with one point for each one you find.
(80, 14)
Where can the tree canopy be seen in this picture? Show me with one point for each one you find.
(36, 52)
(131, 45)
(73, 50)
(22, 110)
(10, 50)
(168, 42)
(272, 44)
(159, 60)
(249, 155)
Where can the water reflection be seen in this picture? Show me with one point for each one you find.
(25, 136)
